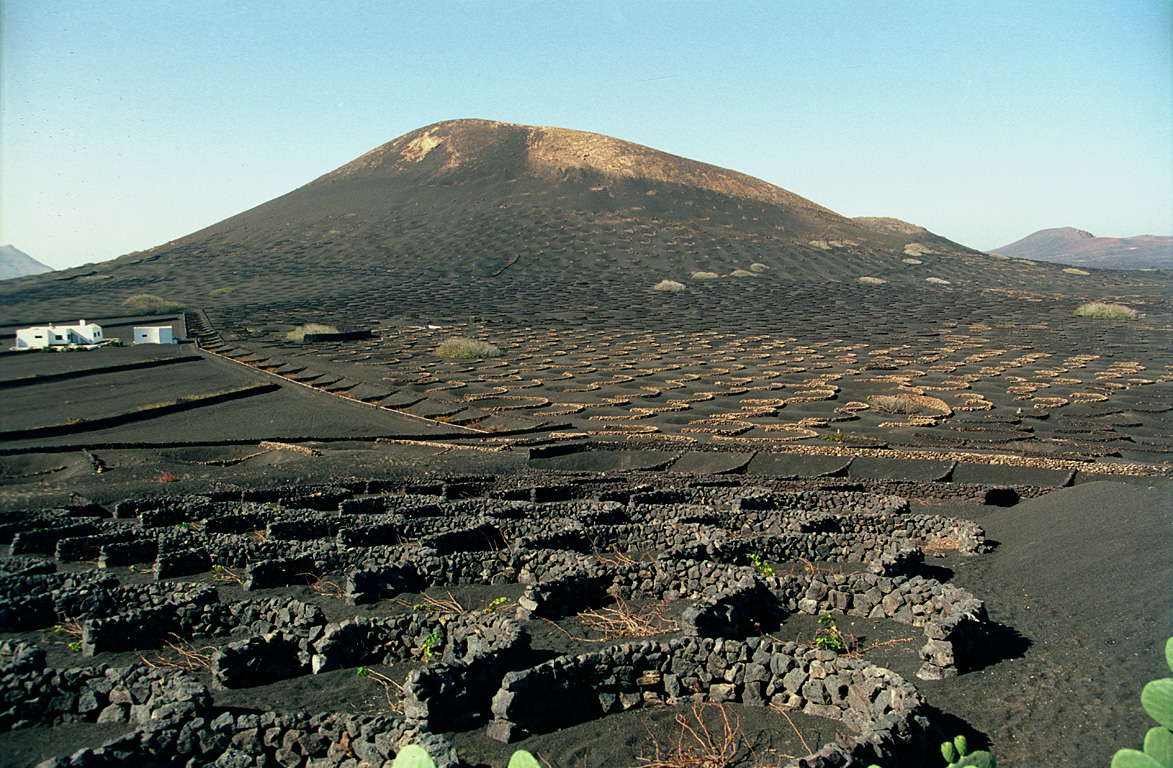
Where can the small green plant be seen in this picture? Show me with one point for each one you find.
(220, 573)
(957, 754)
(75, 647)
(149, 304)
(493, 606)
(466, 349)
(298, 333)
(763, 567)
(391, 689)
(829, 638)
(429, 646)
(1102, 309)
(1157, 699)
(415, 756)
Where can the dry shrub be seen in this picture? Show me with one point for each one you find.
(459, 348)
(1076, 271)
(705, 276)
(624, 621)
(320, 586)
(699, 745)
(896, 404)
(937, 280)
(298, 333)
(220, 573)
(392, 690)
(671, 286)
(741, 273)
(1102, 309)
(903, 404)
(868, 280)
(150, 304)
(183, 655)
(939, 545)
(434, 604)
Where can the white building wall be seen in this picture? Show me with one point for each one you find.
(154, 334)
(31, 338)
(59, 335)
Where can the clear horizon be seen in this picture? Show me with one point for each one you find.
(127, 125)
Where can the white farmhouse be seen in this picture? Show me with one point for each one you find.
(59, 335)
(154, 334)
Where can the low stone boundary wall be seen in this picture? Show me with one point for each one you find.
(757, 672)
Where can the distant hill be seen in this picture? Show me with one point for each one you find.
(17, 263)
(1076, 246)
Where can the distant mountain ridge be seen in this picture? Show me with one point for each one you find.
(16, 263)
(1079, 247)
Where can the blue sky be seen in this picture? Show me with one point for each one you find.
(128, 123)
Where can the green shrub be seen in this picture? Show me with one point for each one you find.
(1101, 309)
(298, 333)
(957, 755)
(467, 349)
(149, 304)
(223, 291)
(668, 285)
(1157, 700)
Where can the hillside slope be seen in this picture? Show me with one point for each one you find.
(499, 205)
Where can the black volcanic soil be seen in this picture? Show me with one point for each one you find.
(769, 372)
